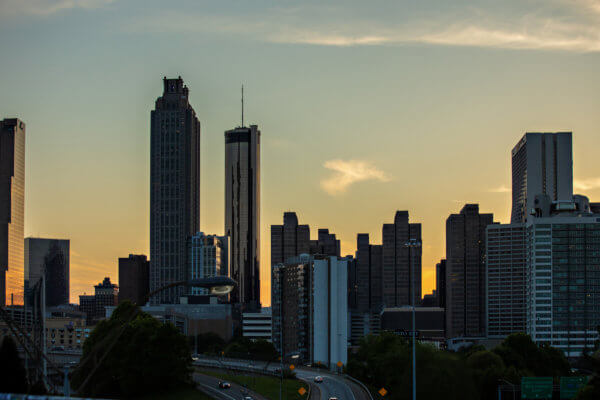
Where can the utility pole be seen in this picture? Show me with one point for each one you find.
(413, 244)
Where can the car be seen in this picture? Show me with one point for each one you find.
(248, 398)
(333, 398)
(318, 379)
(224, 385)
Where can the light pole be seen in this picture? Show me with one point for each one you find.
(412, 244)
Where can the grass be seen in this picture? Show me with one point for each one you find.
(183, 394)
(265, 385)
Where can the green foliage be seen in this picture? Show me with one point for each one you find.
(591, 391)
(385, 361)
(144, 356)
(529, 359)
(13, 378)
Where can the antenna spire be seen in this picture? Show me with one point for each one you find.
(242, 106)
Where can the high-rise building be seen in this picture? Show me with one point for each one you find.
(208, 257)
(134, 279)
(242, 213)
(289, 240)
(369, 275)
(12, 210)
(106, 294)
(440, 283)
(563, 281)
(542, 163)
(399, 260)
(465, 272)
(326, 244)
(174, 188)
(506, 265)
(51, 256)
(310, 309)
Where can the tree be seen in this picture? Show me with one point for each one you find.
(144, 356)
(386, 361)
(488, 368)
(13, 378)
(254, 349)
(209, 343)
(529, 359)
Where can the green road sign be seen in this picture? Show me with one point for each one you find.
(536, 388)
(570, 386)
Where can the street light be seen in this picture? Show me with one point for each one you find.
(293, 356)
(412, 244)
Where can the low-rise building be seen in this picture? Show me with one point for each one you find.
(258, 325)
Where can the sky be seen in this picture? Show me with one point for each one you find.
(365, 108)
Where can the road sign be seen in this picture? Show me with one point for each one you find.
(339, 364)
(383, 392)
(536, 387)
(571, 385)
(292, 367)
(301, 391)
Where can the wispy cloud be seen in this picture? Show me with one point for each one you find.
(500, 189)
(587, 184)
(46, 7)
(565, 25)
(348, 172)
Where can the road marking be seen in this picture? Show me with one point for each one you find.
(216, 391)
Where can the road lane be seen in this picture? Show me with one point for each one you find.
(331, 386)
(210, 385)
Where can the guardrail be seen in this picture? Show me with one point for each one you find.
(243, 368)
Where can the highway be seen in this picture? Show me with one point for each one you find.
(332, 385)
(210, 386)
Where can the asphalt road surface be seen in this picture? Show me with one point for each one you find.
(210, 386)
(332, 385)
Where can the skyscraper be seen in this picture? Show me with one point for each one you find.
(12, 205)
(398, 259)
(440, 283)
(506, 265)
(242, 213)
(174, 188)
(289, 240)
(52, 256)
(542, 163)
(369, 275)
(465, 272)
(134, 279)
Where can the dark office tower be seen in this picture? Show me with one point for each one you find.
(174, 188)
(542, 163)
(397, 261)
(465, 272)
(440, 283)
(369, 274)
(326, 244)
(289, 240)
(52, 256)
(242, 212)
(134, 279)
(12, 203)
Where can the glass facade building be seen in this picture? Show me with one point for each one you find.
(12, 210)
(208, 257)
(563, 302)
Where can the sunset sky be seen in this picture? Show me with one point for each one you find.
(365, 108)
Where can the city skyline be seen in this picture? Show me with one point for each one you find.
(380, 125)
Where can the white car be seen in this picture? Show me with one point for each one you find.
(318, 379)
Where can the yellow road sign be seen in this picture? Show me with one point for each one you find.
(339, 364)
(383, 392)
(301, 391)
(292, 367)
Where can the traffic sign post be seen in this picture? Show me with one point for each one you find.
(536, 387)
(571, 385)
(382, 392)
(301, 391)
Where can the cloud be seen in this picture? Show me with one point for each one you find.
(563, 25)
(46, 7)
(348, 172)
(500, 189)
(587, 184)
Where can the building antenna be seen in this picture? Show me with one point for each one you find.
(242, 106)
